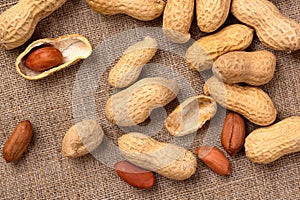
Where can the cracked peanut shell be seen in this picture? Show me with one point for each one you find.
(191, 115)
(73, 48)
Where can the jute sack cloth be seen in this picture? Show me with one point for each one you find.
(43, 173)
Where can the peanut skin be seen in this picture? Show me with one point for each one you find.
(43, 59)
(142, 10)
(166, 159)
(130, 65)
(211, 14)
(273, 29)
(18, 23)
(254, 68)
(178, 17)
(17, 142)
(251, 102)
(265, 145)
(134, 104)
(203, 52)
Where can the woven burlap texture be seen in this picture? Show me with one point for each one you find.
(43, 173)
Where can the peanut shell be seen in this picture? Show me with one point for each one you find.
(166, 159)
(203, 52)
(130, 65)
(251, 102)
(73, 48)
(177, 20)
(134, 104)
(18, 23)
(265, 145)
(191, 115)
(211, 14)
(273, 29)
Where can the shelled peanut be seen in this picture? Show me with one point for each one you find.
(233, 133)
(214, 159)
(18, 141)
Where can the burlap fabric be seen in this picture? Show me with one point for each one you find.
(43, 173)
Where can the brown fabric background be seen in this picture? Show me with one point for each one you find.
(43, 173)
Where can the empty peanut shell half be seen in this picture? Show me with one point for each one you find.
(191, 115)
(72, 47)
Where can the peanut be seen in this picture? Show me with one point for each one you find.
(268, 144)
(191, 115)
(142, 10)
(251, 102)
(134, 104)
(82, 138)
(177, 20)
(203, 52)
(43, 59)
(130, 65)
(214, 159)
(273, 29)
(135, 176)
(255, 68)
(18, 23)
(211, 14)
(233, 133)
(73, 48)
(17, 142)
(166, 159)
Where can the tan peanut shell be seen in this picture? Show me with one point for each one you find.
(142, 10)
(191, 115)
(251, 102)
(82, 138)
(203, 52)
(73, 48)
(211, 14)
(177, 20)
(18, 23)
(134, 104)
(268, 144)
(273, 29)
(166, 159)
(130, 65)
(255, 68)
